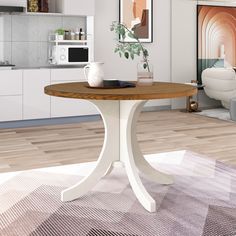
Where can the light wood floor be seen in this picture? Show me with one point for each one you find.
(28, 148)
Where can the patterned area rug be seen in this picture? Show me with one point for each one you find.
(201, 202)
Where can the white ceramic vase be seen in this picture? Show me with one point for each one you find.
(59, 37)
(94, 74)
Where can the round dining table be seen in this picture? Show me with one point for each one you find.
(120, 109)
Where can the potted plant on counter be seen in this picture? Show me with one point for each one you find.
(60, 34)
(132, 49)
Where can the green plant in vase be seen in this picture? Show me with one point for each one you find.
(132, 49)
(60, 34)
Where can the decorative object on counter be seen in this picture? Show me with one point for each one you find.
(43, 5)
(94, 74)
(83, 36)
(137, 15)
(72, 35)
(77, 34)
(60, 34)
(130, 49)
(33, 5)
(67, 35)
(80, 33)
(5, 65)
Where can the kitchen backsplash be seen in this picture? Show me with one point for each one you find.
(24, 39)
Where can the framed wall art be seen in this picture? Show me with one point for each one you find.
(137, 15)
(216, 37)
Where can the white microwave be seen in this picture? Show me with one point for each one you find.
(70, 55)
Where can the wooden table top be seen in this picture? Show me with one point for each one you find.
(159, 90)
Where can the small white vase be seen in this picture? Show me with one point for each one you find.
(94, 74)
(59, 37)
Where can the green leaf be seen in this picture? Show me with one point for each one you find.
(138, 52)
(126, 55)
(122, 32)
(145, 66)
(122, 49)
(145, 53)
(129, 50)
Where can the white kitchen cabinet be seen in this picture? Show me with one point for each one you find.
(76, 74)
(15, 3)
(10, 108)
(10, 95)
(22, 95)
(76, 7)
(36, 104)
(63, 107)
(10, 82)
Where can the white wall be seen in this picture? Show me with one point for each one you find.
(183, 44)
(120, 68)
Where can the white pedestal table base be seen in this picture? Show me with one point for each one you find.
(120, 146)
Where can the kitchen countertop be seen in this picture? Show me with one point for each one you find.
(45, 67)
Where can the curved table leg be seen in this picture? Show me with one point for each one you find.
(127, 113)
(116, 164)
(110, 151)
(109, 170)
(149, 172)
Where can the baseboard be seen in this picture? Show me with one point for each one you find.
(210, 107)
(157, 108)
(52, 121)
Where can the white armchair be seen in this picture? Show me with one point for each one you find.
(220, 84)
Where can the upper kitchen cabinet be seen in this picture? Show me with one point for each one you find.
(63, 7)
(15, 3)
(76, 7)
